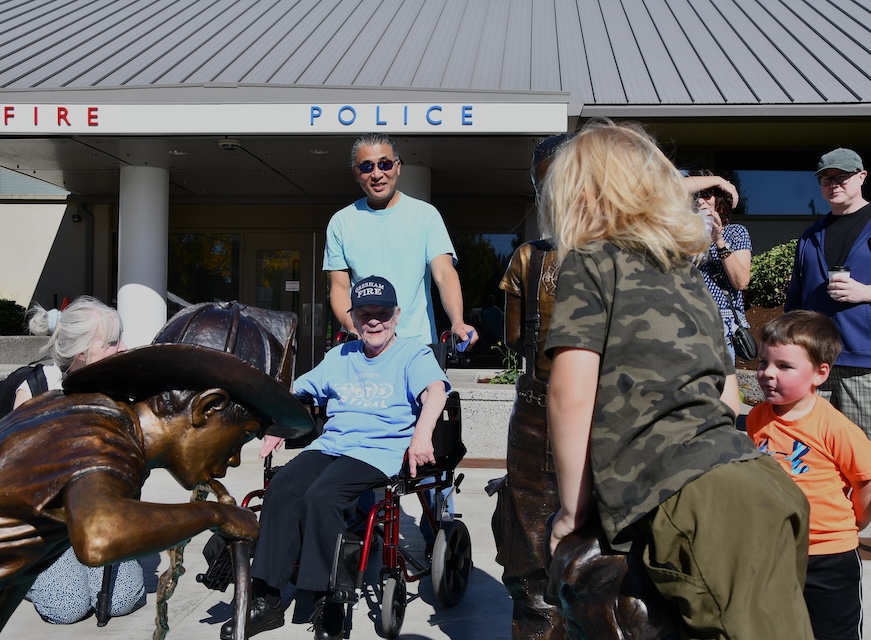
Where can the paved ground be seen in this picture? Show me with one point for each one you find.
(196, 612)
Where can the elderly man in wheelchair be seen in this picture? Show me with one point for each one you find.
(383, 396)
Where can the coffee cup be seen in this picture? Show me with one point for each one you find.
(839, 272)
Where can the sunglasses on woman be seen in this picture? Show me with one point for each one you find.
(704, 195)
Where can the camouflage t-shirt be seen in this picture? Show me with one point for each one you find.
(659, 422)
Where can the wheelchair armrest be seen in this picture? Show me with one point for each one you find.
(318, 414)
(423, 471)
(447, 442)
(447, 437)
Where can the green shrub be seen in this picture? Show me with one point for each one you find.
(770, 273)
(12, 318)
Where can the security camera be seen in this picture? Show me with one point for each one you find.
(229, 144)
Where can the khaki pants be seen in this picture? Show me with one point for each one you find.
(730, 550)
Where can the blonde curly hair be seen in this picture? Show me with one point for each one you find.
(612, 182)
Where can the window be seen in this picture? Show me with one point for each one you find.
(483, 260)
(203, 267)
(779, 193)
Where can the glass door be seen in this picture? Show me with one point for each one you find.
(282, 271)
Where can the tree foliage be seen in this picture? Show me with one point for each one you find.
(13, 321)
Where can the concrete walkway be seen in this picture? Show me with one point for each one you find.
(197, 612)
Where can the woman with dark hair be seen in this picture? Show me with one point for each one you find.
(726, 264)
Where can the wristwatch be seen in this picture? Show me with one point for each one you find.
(725, 251)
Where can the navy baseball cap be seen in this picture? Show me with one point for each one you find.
(373, 290)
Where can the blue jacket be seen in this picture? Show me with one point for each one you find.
(807, 290)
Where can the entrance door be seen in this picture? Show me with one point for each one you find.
(282, 271)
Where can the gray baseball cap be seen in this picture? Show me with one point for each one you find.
(840, 158)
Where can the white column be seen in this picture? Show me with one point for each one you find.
(143, 238)
(416, 181)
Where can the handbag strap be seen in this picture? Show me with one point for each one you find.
(726, 292)
(732, 306)
(533, 313)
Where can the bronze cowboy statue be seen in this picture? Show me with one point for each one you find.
(72, 462)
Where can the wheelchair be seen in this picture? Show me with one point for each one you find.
(448, 562)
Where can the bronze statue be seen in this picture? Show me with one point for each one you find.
(604, 594)
(72, 463)
(529, 493)
(529, 490)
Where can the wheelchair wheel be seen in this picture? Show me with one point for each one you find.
(393, 605)
(451, 562)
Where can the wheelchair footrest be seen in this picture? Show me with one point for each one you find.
(346, 568)
(220, 572)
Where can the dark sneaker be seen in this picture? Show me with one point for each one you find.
(328, 619)
(261, 617)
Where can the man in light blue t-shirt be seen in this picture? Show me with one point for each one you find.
(392, 234)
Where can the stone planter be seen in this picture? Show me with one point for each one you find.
(486, 409)
(749, 387)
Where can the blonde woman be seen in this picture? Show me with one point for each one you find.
(642, 398)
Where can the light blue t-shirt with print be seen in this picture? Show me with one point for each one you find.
(372, 403)
(397, 243)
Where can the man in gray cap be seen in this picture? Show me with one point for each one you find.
(832, 275)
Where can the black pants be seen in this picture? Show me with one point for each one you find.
(304, 511)
(833, 593)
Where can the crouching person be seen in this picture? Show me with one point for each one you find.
(383, 396)
(72, 464)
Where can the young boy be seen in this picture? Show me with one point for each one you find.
(828, 456)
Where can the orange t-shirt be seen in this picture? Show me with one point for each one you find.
(823, 452)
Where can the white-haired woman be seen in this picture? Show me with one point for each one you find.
(84, 332)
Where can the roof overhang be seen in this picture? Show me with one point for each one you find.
(692, 111)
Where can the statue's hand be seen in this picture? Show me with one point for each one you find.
(237, 523)
(220, 492)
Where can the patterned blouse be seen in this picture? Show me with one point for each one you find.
(715, 277)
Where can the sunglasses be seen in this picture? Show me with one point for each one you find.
(383, 165)
(704, 195)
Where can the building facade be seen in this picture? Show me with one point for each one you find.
(205, 144)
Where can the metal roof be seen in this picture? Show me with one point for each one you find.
(657, 54)
(746, 78)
